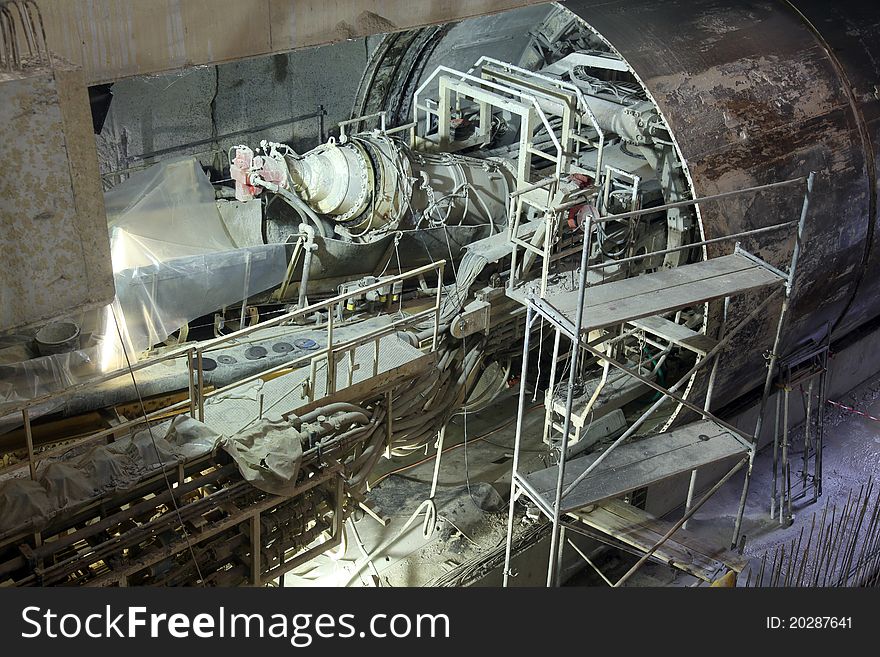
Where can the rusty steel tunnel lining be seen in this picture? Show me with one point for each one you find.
(813, 103)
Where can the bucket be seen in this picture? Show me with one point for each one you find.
(57, 338)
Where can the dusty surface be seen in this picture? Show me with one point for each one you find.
(469, 523)
(471, 509)
(851, 457)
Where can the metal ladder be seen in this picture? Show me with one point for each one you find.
(571, 324)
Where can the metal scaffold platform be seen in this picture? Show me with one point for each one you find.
(635, 465)
(631, 299)
(590, 487)
(639, 530)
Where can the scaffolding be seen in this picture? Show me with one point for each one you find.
(805, 367)
(346, 368)
(640, 303)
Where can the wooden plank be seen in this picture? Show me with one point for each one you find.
(682, 296)
(49, 431)
(671, 552)
(638, 464)
(693, 543)
(641, 530)
(678, 334)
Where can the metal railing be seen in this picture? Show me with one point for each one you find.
(194, 403)
(583, 105)
(537, 307)
(478, 90)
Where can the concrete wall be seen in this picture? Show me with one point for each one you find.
(113, 39)
(152, 113)
(157, 112)
(53, 233)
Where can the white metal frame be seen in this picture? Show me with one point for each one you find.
(537, 308)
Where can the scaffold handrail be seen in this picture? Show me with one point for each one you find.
(572, 326)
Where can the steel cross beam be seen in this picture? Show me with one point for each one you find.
(670, 392)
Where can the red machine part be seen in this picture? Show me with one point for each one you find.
(576, 214)
(240, 170)
(245, 166)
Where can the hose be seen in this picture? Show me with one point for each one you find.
(430, 517)
(295, 202)
(329, 409)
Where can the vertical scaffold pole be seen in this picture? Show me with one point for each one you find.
(774, 357)
(555, 543)
(530, 316)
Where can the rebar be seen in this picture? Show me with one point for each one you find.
(842, 547)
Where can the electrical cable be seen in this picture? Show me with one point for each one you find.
(540, 354)
(430, 513)
(467, 474)
(479, 438)
(155, 446)
(360, 544)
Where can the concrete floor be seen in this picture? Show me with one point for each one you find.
(474, 483)
(471, 515)
(851, 458)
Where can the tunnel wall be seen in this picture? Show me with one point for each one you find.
(754, 95)
(155, 113)
(112, 39)
(754, 92)
(850, 33)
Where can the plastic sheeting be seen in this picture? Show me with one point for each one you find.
(25, 375)
(38, 376)
(164, 212)
(173, 261)
(158, 299)
(173, 258)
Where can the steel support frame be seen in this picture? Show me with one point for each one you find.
(486, 92)
(195, 406)
(774, 357)
(781, 497)
(710, 388)
(562, 324)
(333, 472)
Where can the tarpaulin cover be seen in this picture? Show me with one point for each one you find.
(268, 454)
(83, 475)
